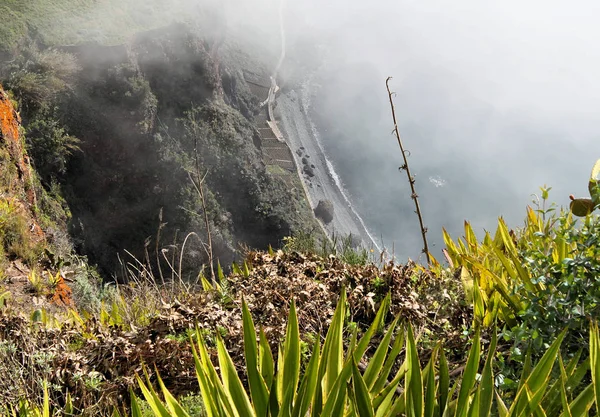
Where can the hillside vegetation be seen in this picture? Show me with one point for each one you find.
(152, 265)
(514, 309)
(71, 22)
(151, 125)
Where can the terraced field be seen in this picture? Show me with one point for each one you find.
(276, 154)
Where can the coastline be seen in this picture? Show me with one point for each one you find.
(317, 171)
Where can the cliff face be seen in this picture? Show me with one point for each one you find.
(152, 119)
(13, 150)
(18, 197)
(23, 240)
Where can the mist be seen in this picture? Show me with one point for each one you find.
(494, 100)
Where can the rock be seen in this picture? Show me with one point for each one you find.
(309, 171)
(324, 211)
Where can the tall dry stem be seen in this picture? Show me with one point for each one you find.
(406, 168)
(200, 188)
(157, 244)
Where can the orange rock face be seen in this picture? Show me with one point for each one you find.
(20, 190)
(62, 294)
(10, 139)
(9, 133)
(9, 118)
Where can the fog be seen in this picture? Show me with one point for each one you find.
(494, 99)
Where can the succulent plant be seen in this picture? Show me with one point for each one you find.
(583, 206)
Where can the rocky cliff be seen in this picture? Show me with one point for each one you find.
(28, 233)
(124, 135)
(19, 227)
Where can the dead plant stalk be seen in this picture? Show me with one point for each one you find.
(199, 187)
(406, 168)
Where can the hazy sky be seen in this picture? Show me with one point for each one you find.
(494, 100)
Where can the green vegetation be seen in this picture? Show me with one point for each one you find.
(121, 141)
(333, 383)
(15, 237)
(346, 248)
(543, 358)
(394, 346)
(68, 22)
(537, 280)
(138, 132)
(276, 170)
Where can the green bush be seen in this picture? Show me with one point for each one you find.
(38, 77)
(49, 145)
(569, 288)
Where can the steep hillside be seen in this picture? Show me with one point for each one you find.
(126, 133)
(20, 230)
(32, 224)
(72, 22)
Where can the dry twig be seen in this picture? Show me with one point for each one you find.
(405, 167)
(200, 188)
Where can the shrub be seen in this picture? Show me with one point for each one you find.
(15, 236)
(569, 289)
(333, 384)
(49, 145)
(87, 290)
(537, 280)
(38, 77)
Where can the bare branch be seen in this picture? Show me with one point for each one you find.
(200, 189)
(405, 167)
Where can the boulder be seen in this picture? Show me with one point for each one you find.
(309, 171)
(324, 211)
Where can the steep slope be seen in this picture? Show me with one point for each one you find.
(19, 228)
(72, 22)
(28, 233)
(152, 117)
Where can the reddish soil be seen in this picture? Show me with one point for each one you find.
(22, 194)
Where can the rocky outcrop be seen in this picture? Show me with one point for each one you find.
(22, 239)
(16, 179)
(12, 146)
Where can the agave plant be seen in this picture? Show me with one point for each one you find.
(490, 271)
(583, 206)
(334, 384)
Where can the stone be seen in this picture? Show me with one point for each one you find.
(324, 211)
